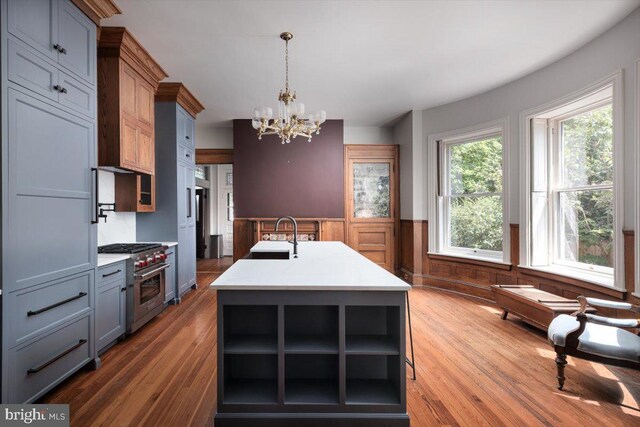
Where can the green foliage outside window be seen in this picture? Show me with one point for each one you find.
(587, 151)
(475, 174)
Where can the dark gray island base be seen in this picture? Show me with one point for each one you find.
(311, 358)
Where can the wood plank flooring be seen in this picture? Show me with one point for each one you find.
(473, 369)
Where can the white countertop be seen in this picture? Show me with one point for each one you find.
(106, 259)
(323, 266)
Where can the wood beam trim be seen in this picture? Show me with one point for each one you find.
(214, 156)
(178, 92)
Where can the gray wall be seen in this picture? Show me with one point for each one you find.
(219, 137)
(616, 49)
(407, 133)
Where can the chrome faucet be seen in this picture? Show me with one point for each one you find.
(295, 233)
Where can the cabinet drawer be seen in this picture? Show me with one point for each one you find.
(111, 272)
(76, 95)
(41, 364)
(30, 71)
(36, 308)
(34, 73)
(186, 154)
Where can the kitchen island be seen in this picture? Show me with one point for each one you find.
(310, 341)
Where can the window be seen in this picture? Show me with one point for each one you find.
(582, 191)
(572, 212)
(470, 218)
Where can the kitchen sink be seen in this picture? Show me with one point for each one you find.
(269, 255)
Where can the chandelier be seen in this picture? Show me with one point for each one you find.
(291, 121)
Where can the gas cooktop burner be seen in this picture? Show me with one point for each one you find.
(127, 248)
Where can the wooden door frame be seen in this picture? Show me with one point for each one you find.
(214, 156)
(375, 152)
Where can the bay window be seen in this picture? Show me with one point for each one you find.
(573, 212)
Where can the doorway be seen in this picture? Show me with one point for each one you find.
(371, 202)
(225, 207)
(202, 225)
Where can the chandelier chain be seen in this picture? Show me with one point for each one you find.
(286, 61)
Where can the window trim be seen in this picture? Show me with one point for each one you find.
(637, 227)
(615, 81)
(435, 210)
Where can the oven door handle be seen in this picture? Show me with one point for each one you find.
(151, 273)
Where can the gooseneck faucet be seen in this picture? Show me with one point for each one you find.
(295, 233)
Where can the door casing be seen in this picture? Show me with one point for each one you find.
(375, 238)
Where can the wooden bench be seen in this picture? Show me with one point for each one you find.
(533, 306)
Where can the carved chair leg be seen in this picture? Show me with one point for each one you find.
(561, 362)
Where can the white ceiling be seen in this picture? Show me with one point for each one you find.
(363, 61)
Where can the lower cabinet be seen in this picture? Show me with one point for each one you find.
(43, 363)
(170, 276)
(111, 307)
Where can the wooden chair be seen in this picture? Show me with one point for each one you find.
(596, 338)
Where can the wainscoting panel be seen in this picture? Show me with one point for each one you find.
(475, 278)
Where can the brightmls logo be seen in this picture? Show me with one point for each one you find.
(34, 415)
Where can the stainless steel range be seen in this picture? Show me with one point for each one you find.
(145, 280)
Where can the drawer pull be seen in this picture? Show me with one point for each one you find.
(60, 89)
(187, 136)
(123, 290)
(188, 155)
(58, 357)
(58, 304)
(60, 49)
(112, 273)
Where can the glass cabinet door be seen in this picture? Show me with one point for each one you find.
(371, 190)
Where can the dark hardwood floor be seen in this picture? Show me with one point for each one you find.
(473, 369)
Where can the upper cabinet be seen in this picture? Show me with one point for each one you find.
(128, 78)
(189, 107)
(59, 31)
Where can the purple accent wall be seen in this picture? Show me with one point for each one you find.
(302, 179)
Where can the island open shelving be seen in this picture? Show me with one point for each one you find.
(311, 355)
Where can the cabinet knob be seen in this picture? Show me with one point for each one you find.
(187, 136)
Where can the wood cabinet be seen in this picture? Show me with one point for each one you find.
(127, 81)
(135, 192)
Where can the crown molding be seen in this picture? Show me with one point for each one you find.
(120, 43)
(98, 9)
(178, 92)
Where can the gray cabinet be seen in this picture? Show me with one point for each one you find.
(57, 30)
(111, 304)
(77, 40)
(170, 276)
(48, 185)
(35, 23)
(175, 216)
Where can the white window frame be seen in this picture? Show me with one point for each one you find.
(637, 228)
(437, 212)
(598, 276)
